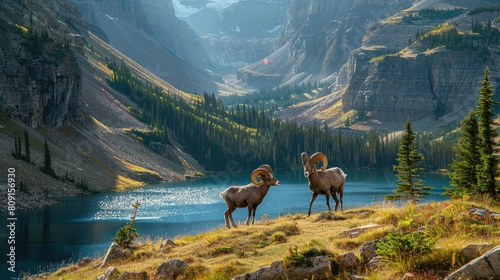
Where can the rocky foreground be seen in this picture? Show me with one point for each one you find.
(323, 246)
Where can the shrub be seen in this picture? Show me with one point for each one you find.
(126, 235)
(405, 248)
(278, 237)
(222, 250)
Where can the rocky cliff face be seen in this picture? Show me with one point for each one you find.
(429, 84)
(241, 33)
(390, 74)
(40, 78)
(319, 35)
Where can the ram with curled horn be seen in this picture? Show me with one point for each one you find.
(250, 195)
(325, 181)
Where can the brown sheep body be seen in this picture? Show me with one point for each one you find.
(249, 196)
(327, 182)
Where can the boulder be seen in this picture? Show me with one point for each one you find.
(84, 261)
(166, 244)
(111, 273)
(486, 266)
(375, 263)
(348, 261)
(170, 269)
(321, 269)
(368, 251)
(143, 275)
(472, 251)
(114, 252)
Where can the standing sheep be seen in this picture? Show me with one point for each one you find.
(250, 195)
(328, 182)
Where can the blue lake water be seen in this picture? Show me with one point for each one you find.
(85, 225)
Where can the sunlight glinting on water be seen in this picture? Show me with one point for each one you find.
(157, 203)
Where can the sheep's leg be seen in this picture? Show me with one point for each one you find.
(254, 210)
(327, 195)
(231, 216)
(334, 195)
(313, 197)
(250, 209)
(226, 219)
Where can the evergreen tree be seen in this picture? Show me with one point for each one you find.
(27, 155)
(14, 153)
(487, 135)
(409, 186)
(465, 167)
(47, 160)
(19, 147)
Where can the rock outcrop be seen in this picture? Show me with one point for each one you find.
(434, 84)
(321, 269)
(486, 266)
(318, 37)
(40, 77)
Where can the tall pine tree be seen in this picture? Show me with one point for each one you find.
(410, 186)
(464, 173)
(27, 154)
(487, 135)
(47, 160)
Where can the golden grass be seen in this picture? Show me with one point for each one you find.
(136, 168)
(101, 125)
(124, 183)
(223, 253)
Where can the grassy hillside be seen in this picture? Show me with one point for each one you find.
(223, 253)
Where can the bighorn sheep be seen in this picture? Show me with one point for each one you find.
(250, 195)
(328, 182)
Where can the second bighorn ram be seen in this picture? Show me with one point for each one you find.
(328, 182)
(250, 195)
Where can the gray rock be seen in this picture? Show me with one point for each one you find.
(486, 266)
(375, 263)
(170, 269)
(143, 275)
(367, 251)
(114, 252)
(166, 244)
(84, 261)
(321, 269)
(111, 273)
(349, 261)
(472, 251)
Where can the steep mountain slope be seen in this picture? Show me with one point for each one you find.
(148, 32)
(316, 40)
(56, 89)
(239, 33)
(408, 63)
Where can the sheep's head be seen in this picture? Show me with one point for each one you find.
(310, 163)
(265, 173)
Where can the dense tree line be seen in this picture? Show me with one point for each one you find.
(432, 14)
(478, 39)
(271, 99)
(217, 136)
(475, 169)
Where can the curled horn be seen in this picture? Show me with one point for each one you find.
(266, 167)
(256, 173)
(319, 157)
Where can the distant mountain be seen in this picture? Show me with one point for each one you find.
(383, 60)
(149, 32)
(54, 86)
